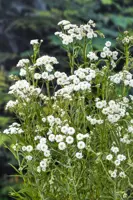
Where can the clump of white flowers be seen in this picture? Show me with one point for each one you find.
(72, 32)
(74, 135)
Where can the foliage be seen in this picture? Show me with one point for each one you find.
(75, 132)
(29, 21)
(4, 98)
(25, 20)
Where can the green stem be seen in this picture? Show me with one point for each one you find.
(48, 89)
(72, 179)
(127, 56)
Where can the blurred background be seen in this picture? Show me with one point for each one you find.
(23, 20)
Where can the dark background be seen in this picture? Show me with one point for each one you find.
(23, 20)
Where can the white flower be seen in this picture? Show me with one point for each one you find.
(24, 148)
(121, 157)
(45, 75)
(59, 138)
(64, 129)
(51, 137)
(29, 148)
(81, 145)
(114, 149)
(50, 118)
(57, 74)
(43, 169)
(35, 42)
(117, 162)
(23, 62)
(122, 174)
(44, 60)
(92, 56)
(43, 163)
(80, 136)
(79, 155)
(22, 72)
(29, 158)
(49, 67)
(63, 22)
(47, 153)
(62, 145)
(113, 173)
(108, 44)
(44, 119)
(69, 139)
(103, 55)
(99, 104)
(11, 104)
(42, 140)
(89, 35)
(71, 130)
(43, 147)
(109, 157)
(37, 76)
(51, 77)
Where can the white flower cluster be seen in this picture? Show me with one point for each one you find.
(11, 104)
(126, 139)
(94, 121)
(72, 32)
(92, 56)
(114, 111)
(124, 76)
(62, 135)
(107, 52)
(13, 129)
(46, 60)
(127, 39)
(43, 165)
(114, 174)
(24, 90)
(23, 63)
(42, 146)
(47, 63)
(79, 81)
(28, 148)
(64, 120)
(118, 159)
(100, 104)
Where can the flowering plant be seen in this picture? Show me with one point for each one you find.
(74, 134)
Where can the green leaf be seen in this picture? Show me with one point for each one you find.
(107, 2)
(121, 21)
(3, 139)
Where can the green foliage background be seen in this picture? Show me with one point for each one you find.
(22, 21)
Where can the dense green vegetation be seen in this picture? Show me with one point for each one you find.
(22, 21)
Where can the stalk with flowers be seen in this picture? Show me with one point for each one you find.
(74, 132)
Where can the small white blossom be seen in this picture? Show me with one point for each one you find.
(81, 145)
(62, 146)
(108, 44)
(29, 148)
(79, 155)
(69, 139)
(29, 158)
(109, 157)
(37, 76)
